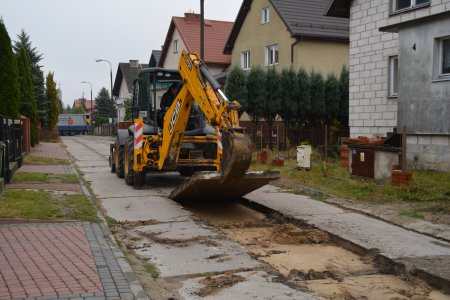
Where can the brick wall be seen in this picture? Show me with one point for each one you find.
(371, 111)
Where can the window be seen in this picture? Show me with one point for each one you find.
(245, 60)
(399, 5)
(265, 15)
(393, 76)
(175, 46)
(272, 55)
(445, 56)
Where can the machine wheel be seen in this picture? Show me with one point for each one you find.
(118, 158)
(112, 160)
(139, 180)
(186, 171)
(129, 158)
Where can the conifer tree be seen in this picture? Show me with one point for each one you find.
(9, 87)
(103, 104)
(52, 98)
(26, 93)
(332, 98)
(255, 88)
(344, 96)
(317, 96)
(288, 99)
(23, 41)
(236, 87)
(272, 100)
(303, 96)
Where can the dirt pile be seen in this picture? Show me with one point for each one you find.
(288, 234)
(212, 285)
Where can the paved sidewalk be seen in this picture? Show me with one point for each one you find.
(51, 169)
(54, 150)
(59, 261)
(416, 253)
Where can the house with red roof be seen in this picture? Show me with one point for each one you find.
(184, 33)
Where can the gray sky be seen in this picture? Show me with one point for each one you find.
(72, 34)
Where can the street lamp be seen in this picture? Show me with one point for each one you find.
(110, 75)
(90, 85)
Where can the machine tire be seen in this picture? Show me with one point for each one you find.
(129, 160)
(139, 180)
(186, 171)
(119, 162)
(112, 163)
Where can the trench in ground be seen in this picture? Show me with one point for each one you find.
(307, 258)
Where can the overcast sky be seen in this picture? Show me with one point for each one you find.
(72, 34)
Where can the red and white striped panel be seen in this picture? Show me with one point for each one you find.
(138, 135)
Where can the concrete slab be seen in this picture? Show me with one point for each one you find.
(108, 185)
(287, 202)
(198, 257)
(257, 285)
(417, 252)
(97, 169)
(178, 230)
(145, 208)
(91, 163)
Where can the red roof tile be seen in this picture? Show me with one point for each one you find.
(216, 35)
(90, 105)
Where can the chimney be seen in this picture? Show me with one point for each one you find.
(134, 63)
(192, 17)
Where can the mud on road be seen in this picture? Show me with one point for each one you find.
(305, 259)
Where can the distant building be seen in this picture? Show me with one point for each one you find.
(123, 84)
(154, 58)
(284, 33)
(184, 33)
(90, 108)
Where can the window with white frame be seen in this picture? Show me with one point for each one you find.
(393, 76)
(245, 60)
(265, 15)
(271, 55)
(399, 5)
(175, 46)
(445, 56)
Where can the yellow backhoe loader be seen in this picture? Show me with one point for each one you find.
(199, 135)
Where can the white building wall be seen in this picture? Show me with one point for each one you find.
(172, 58)
(371, 111)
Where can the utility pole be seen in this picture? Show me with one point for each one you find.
(202, 29)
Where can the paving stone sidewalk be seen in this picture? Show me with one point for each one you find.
(49, 169)
(54, 150)
(59, 261)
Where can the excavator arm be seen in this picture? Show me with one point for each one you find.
(200, 87)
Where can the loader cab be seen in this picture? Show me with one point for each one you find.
(148, 89)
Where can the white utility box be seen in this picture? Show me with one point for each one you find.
(304, 157)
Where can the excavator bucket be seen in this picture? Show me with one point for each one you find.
(210, 186)
(233, 181)
(237, 156)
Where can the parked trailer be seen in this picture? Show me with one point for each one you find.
(72, 124)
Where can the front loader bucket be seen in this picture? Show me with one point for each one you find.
(210, 186)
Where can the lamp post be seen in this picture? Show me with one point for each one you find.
(90, 85)
(90, 103)
(110, 76)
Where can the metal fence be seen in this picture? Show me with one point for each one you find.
(105, 130)
(11, 135)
